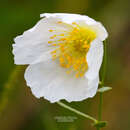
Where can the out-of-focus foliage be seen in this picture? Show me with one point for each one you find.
(20, 110)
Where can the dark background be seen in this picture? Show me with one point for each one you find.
(20, 110)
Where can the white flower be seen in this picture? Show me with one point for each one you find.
(64, 53)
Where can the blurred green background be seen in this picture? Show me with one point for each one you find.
(20, 110)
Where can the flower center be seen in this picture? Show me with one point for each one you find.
(71, 49)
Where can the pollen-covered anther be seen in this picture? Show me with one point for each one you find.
(54, 44)
(61, 60)
(77, 75)
(52, 37)
(75, 67)
(54, 56)
(86, 46)
(81, 74)
(49, 42)
(72, 49)
(62, 39)
(53, 52)
(62, 49)
(51, 30)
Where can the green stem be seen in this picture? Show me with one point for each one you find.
(100, 107)
(9, 87)
(103, 72)
(77, 112)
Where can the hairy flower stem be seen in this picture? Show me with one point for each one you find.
(77, 112)
(102, 76)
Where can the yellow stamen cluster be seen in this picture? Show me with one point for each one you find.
(71, 49)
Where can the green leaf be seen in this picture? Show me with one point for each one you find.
(104, 89)
(100, 124)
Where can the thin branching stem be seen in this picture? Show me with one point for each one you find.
(77, 112)
(103, 73)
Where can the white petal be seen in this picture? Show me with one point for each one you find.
(100, 30)
(94, 59)
(33, 44)
(69, 18)
(49, 80)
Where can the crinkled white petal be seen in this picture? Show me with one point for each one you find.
(94, 59)
(69, 18)
(100, 31)
(33, 44)
(49, 80)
